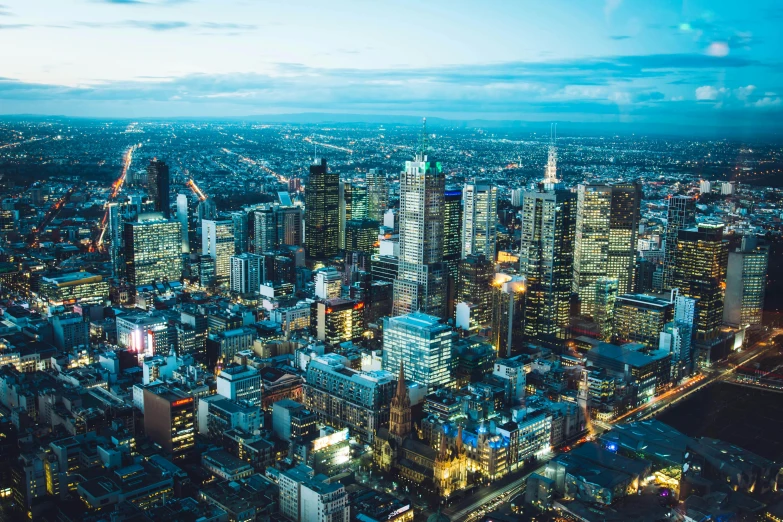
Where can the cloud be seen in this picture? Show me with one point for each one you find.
(620, 37)
(610, 6)
(744, 92)
(142, 2)
(14, 26)
(5, 11)
(709, 93)
(767, 102)
(718, 49)
(170, 25)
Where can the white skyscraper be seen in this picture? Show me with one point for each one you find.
(421, 275)
(217, 241)
(184, 218)
(479, 219)
(246, 273)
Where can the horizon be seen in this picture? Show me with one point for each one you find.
(602, 63)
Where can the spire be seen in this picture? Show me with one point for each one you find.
(458, 440)
(402, 391)
(443, 455)
(421, 153)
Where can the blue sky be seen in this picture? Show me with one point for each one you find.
(677, 62)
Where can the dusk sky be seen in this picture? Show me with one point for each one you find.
(715, 62)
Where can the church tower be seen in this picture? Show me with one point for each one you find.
(400, 410)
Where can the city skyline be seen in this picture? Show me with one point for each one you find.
(613, 61)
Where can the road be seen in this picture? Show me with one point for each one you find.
(475, 506)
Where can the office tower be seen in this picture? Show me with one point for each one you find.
(517, 195)
(170, 420)
(183, 216)
(476, 274)
(452, 242)
(681, 213)
(116, 240)
(377, 194)
(240, 383)
(206, 210)
(217, 241)
(322, 212)
(353, 205)
(306, 497)
(607, 220)
(746, 279)
(421, 275)
(640, 319)
(422, 344)
(328, 283)
(240, 223)
(677, 336)
(546, 260)
(265, 229)
(246, 273)
(158, 186)
(507, 313)
(479, 219)
(345, 398)
(289, 225)
(603, 309)
(700, 273)
(361, 235)
(153, 249)
(336, 321)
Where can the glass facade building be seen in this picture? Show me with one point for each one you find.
(153, 249)
(422, 344)
(479, 219)
(322, 212)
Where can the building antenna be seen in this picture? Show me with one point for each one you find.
(423, 145)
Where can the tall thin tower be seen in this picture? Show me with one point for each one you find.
(421, 275)
(550, 173)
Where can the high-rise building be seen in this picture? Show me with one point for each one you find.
(170, 420)
(361, 235)
(246, 273)
(116, 240)
(289, 225)
(353, 205)
(328, 283)
(700, 273)
(265, 229)
(507, 313)
(183, 216)
(603, 308)
(746, 280)
(452, 243)
(306, 497)
(476, 274)
(240, 223)
(640, 319)
(607, 219)
(217, 241)
(422, 344)
(322, 212)
(421, 274)
(677, 336)
(158, 185)
(479, 219)
(517, 196)
(153, 249)
(240, 383)
(377, 194)
(337, 320)
(705, 187)
(681, 214)
(546, 260)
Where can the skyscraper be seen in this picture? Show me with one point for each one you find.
(603, 309)
(507, 313)
(479, 219)
(746, 279)
(217, 241)
(377, 194)
(422, 344)
(240, 223)
(265, 229)
(115, 240)
(153, 249)
(700, 273)
(607, 219)
(158, 185)
(421, 275)
(353, 205)
(476, 274)
(183, 216)
(322, 212)
(547, 259)
(452, 243)
(246, 273)
(681, 214)
(289, 225)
